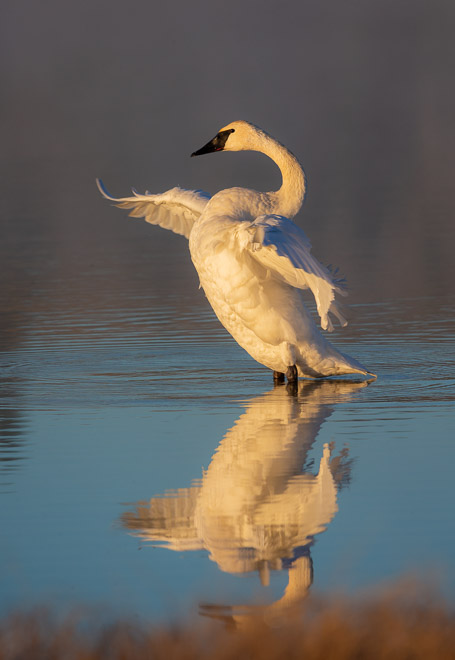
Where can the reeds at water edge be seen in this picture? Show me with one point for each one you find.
(400, 622)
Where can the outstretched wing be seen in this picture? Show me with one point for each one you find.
(176, 209)
(283, 248)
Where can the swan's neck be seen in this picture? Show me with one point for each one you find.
(289, 198)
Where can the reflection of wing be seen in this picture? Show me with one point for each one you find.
(176, 209)
(168, 520)
(283, 248)
(305, 508)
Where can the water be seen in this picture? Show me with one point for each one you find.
(147, 465)
(111, 420)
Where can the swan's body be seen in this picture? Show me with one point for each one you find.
(253, 261)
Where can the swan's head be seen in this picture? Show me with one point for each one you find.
(236, 136)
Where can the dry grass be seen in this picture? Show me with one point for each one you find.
(405, 624)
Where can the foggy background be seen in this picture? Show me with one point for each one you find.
(361, 92)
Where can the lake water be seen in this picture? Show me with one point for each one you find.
(148, 467)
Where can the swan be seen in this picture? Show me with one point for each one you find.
(253, 262)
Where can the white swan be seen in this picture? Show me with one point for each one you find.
(253, 261)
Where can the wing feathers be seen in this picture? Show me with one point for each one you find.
(177, 209)
(282, 247)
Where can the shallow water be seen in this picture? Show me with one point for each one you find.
(147, 463)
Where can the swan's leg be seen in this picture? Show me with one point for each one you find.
(291, 374)
(278, 377)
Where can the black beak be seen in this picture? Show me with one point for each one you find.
(217, 144)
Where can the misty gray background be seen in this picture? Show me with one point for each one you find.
(361, 92)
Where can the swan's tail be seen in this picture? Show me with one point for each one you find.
(353, 366)
(337, 364)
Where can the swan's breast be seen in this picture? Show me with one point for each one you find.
(225, 271)
(252, 306)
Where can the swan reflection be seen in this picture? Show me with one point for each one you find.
(258, 506)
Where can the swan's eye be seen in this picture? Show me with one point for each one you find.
(220, 139)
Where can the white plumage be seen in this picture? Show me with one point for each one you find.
(253, 261)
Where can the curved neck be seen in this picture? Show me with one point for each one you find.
(289, 198)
